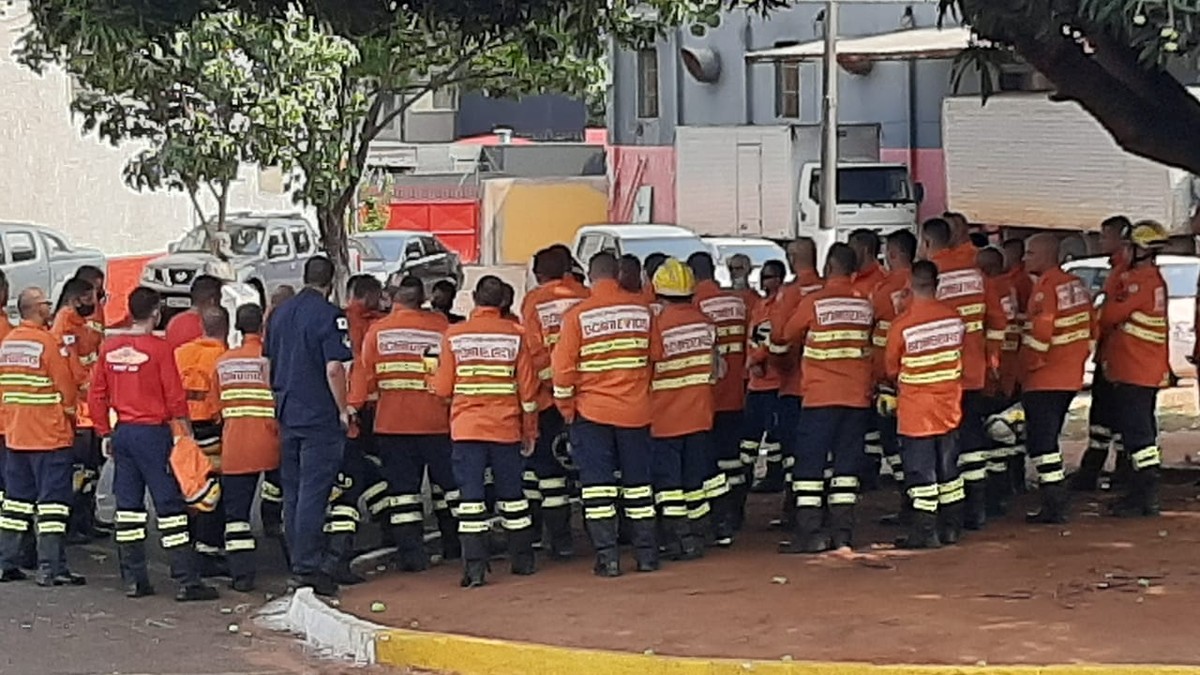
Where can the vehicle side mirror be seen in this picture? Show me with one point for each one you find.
(412, 255)
(918, 192)
(172, 247)
(278, 250)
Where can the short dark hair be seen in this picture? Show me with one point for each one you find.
(979, 239)
(924, 273)
(215, 321)
(702, 265)
(936, 230)
(844, 259)
(318, 271)
(603, 265)
(444, 286)
(489, 291)
(143, 302)
(868, 239)
(552, 262)
(989, 254)
(364, 286)
(410, 291)
(1120, 223)
(652, 262)
(90, 273)
(509, 294)
(205, 289)
(73, 290)
(249, 319)
(1015, 244)
(903, 242)
(629, 273)
(775, 266)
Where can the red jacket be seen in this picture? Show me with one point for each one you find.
(184, 327)
(136, 378)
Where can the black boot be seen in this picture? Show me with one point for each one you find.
(975, 505)
(1017, 474)
(645, 544)
(52, 563)
(539, 523)
(243, 568)
(772, 482)
(475, 559)
(737, 505)
(410, 547)
(131, 558)
(448, 527)
(1087, 478)
(1142, 497)
(27, 555)
(841, 526)
(339, 551)
(807, 536)
(723, 520)
(1055, 505)
(558, 530)
(670, 540)
(691, 541)
(922, 532)
(903, 517)
(1123, 472)
(185, 570)
(521, 554)
(603, 534)
(950, 523)
(997, 491)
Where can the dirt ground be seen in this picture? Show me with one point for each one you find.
(1096, 590)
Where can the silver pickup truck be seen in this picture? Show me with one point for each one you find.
(33, 255)
(263, 251)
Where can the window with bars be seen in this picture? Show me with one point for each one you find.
(787, 86)
(647, 68)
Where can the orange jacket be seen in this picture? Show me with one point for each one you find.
(5, 329)
(250, 434)
(865, 281)
(397, 356)
(1010, 363)
(958, 257)
(602, 359)
(787, 357)
(83, 336)
(1022, 283)
(728, 311)
(486, 371)
(834, 325)
(888, 300)
(39, 390)
(197, 362)
(1058, 341)
(1118, 264)
(964, 288)
(924, 359)
(682, 395)
(749, 296)
(1134, 323)
(542, 312)
(359, 317)
(763, 373)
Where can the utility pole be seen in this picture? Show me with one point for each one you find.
(829, 119)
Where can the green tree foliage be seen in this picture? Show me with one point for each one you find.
(1111, 57)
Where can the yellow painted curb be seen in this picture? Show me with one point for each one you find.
(478, 656)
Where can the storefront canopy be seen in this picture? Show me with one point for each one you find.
(903, 45)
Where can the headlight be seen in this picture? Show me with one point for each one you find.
(220, 269)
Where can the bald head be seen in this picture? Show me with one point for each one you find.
(1041, 253)
(802, 254)
(34, 306)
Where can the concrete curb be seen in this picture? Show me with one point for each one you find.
(342, 635)
(322, 627)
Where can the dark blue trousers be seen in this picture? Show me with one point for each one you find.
(602, 450)
(38, 487)
(681, 465)
(237, 493)
(405, 458)
(470, 459)
(309, 465)
(829, 431)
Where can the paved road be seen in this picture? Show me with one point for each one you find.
(95, 629)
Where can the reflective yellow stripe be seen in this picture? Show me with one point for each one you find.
(400, 367)
(545, 374)
(930, 359)
(1034, 344)
(972, 309)
(973, 326)
(837, 335)
(498, 389)
(563, 392)
(680, 382)
(776, 348)
(684, 362)
(253, 394)
(879, 341)
(835, 353)
(618, 363)
(731, 348)
(932, 377)
(20, 398)
(23, 380)
(529, 406)
(600, 492)
(725, 331)
(1073, 319)
(485, 371)
(1130, 328)
(883, 324)
(1074, 336)
(614, 345)
(235, 412)
(995, 335)
(1146, 319)
(403, 384)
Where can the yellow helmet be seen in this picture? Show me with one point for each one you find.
(674, 279)
(1148, 234)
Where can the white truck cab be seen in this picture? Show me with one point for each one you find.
(873, 196)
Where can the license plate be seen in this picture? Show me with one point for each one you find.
(179, 302)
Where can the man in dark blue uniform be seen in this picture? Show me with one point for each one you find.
(309, 346)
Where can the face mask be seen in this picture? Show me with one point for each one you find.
(85, 310)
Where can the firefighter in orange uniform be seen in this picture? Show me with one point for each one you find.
(1053, 352)
(834, 325)
(1001, 386)
(197, 361)
(961, 285)
(249, 439)
(1102, 413)
(887, 300)
(1021, 283)
(546, 478)
(74, 328)
(740, 266)
(1135, 361)
(728, 484)
(802, 256)
(412, 426)
(867, 277)
(487, 373)
(5, 329)
(602, 387)
(683, 349)
(760, 427)
(924, 358)
(39, 393)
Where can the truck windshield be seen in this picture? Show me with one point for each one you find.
(675, 247)
(867, 185)
(243, 240)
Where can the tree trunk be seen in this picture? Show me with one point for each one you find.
(334, 241)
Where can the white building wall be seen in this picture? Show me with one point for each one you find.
(51, 175)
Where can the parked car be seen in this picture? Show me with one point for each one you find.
(402, 252)
(1181, 273)
(758, 250)
(264, 251)
(33, 255)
